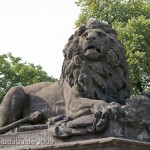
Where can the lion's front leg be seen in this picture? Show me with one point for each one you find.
(83, 109)
(82, 106)
(86, 116)
(102, 111)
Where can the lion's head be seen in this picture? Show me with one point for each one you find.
(95, 64)
(93, 43)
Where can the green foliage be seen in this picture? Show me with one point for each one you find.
(13, 72)
(136, 37)
(112, 10)
(131, 18)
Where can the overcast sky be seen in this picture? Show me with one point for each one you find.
(37, 30)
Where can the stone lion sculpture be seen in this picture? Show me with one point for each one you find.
(94, 78)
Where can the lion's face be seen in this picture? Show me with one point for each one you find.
(95, 64)
(93, 43)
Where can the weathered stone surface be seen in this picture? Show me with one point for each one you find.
(51, 143)
(94, 72)
(103, 144)
(92, 99)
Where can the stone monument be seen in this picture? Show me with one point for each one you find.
(91, 101)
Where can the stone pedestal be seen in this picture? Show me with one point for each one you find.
(42, 139)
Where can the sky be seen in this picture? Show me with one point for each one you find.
(37, 31)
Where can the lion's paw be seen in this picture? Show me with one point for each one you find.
(103, 114)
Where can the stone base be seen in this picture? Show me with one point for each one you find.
(110, 143)
(42, 139)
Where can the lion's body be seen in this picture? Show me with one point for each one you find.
(45, 97)
(94, 69)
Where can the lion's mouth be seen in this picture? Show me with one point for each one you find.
(92, 52)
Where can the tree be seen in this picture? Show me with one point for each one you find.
(131, 18)
(111, 11)
(136, 37)
(13, 73)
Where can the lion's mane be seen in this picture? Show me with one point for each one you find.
(106, 78)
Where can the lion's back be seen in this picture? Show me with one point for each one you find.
(46, 97)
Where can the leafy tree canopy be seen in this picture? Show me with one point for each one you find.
(112, 10)
(136, 37)
(131, 18)
(13, 72)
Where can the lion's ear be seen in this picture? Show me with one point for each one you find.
(80, 31)
(112, 31)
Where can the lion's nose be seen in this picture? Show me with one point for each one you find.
(91, 37)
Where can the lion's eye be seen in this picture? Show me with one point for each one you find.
(84, 34)
(101, 34)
